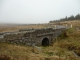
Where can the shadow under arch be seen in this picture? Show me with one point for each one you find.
(45, 42)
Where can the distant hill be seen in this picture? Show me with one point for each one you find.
(71, 18)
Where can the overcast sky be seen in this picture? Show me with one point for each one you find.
(36, 11)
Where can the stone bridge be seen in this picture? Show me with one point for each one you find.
(43, 36)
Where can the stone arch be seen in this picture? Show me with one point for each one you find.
(45, 42)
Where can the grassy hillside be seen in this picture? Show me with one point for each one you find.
(64, 48)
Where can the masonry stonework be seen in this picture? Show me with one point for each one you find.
(44, 36)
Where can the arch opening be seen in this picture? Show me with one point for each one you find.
(45, 42)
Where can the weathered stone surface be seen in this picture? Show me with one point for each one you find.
(31, 36)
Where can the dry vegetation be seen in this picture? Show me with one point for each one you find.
(63, 48)
(11, 28)
(76, 23)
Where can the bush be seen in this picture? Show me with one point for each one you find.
(4, 57)
(68, 46)
(63, 35)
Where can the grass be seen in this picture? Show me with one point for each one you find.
(16, 28)
(62, 49)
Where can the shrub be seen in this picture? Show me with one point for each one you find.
(63, 35)
(69, 46)
(4, 57)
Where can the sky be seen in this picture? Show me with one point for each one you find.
(36, 11)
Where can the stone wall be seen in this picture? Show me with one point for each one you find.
(30, 36)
